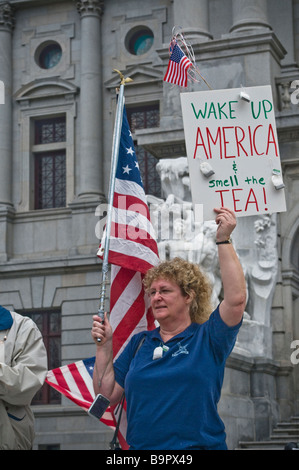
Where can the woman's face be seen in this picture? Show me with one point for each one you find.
(168, 302)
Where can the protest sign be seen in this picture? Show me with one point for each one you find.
(232, 151)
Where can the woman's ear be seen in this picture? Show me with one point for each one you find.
(190, 296)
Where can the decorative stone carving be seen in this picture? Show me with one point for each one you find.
(174, 174)
(7, 17)
(90, 6)
(263, 274)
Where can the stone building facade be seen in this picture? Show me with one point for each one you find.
(56, 125)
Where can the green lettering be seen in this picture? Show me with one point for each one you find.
(252, 110)
(212, 111)
(220, 110)
(231, 111)
(200, 113)
(266, 111)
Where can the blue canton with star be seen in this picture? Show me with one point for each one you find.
(127, 167)
(89, 364)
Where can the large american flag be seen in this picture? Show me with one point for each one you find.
(132, 251)
(178, 66)
(133, 248)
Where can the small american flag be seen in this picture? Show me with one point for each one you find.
(178, 66)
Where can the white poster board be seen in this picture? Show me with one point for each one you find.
(233, 140)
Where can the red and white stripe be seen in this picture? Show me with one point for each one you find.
(74, 382)
(177, 73)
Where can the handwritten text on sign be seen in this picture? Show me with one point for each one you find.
(235, 142)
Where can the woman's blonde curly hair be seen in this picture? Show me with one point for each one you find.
(191, 281)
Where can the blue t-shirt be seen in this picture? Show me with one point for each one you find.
(172, 401)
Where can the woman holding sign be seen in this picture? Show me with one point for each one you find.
(173, 382)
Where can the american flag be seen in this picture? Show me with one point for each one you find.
(132, 251)
(178, 66)
(133, 248)
(75, 382)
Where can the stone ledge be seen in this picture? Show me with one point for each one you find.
(23, 267)
(258, 364)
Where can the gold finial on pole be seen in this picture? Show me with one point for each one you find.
(123, 80)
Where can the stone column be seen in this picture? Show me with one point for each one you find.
(250, 15)
(90, 178)
(6, 28)
(195, 14)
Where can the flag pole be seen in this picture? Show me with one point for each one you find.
(114, 161)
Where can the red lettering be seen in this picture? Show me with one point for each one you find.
(250, 141)
(226, 142)
(238, 141)
(222, 191)
(236, 200)
(254, 140)
(218, 136)
(271, 141)
(200, 144)
(251, 192)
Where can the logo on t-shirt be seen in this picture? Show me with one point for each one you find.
(181, 350)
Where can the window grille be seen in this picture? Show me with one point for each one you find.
(50, 164)
(143, 118)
